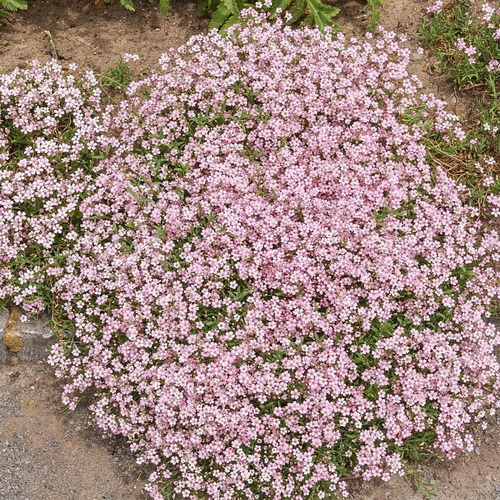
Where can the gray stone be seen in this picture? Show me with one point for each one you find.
(37, 338)
(4, 316)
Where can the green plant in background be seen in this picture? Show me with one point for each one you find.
(225, 13)
(465, 37)
(374, 7)
(117, 77)
(9, 6)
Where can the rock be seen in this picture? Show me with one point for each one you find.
(13, 338)
(28, 341)
(4, 317)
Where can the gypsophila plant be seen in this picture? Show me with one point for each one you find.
(270, 289)
(255, 262)
(465, 36)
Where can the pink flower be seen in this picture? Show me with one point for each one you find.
(435, 8)
(258, 265)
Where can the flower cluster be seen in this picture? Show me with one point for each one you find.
(272, 289)
(436, 7)
(472, 29)
(470, 50)
(268, 287)
(50, 126)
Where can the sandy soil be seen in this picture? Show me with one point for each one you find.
(49, 455)
(92, 38)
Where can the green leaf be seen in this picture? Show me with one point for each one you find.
(164, 4)
(133, 193)
(297, 9)
(219, 17)
(202, 8)
(281, 4)
(232, 7)
(321, 14)
(232, 20)
(374, 6)
(128, 4)
(13, 5)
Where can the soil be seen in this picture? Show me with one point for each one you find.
(94, 38)
(47, 454)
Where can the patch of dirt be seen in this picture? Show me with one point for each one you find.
(92, 38)
(49, 455)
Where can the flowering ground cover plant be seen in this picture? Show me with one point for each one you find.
(267, 288)
(467, 33)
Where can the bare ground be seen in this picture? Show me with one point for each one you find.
(47, 454)
(92, 38)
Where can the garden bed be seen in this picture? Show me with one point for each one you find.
(97, 40)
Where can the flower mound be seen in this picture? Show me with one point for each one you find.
(272, 289)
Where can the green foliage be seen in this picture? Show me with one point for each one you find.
(224, 13)
(374, 6)
(164, 7)
(117, 77)
(8, 6)
(461, 23)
